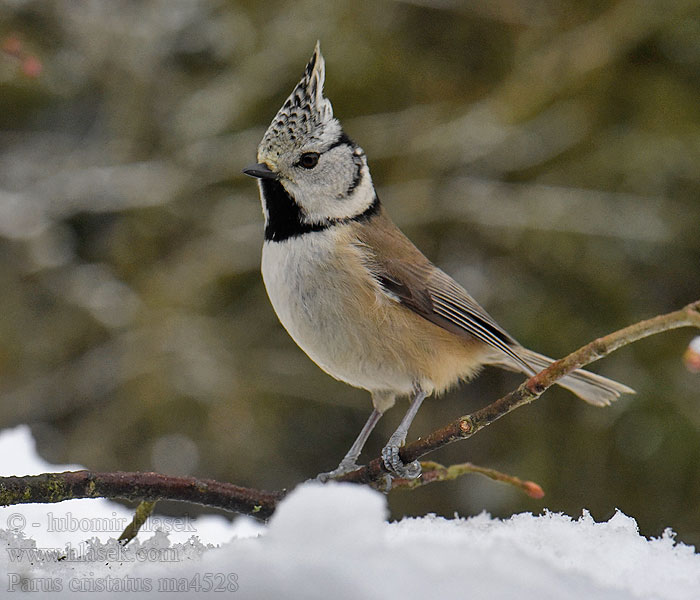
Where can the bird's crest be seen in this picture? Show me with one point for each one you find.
(306, 117)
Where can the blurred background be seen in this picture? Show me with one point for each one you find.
(545, 153)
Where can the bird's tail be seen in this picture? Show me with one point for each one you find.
(594, 389)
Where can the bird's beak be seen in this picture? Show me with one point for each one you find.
(261, 171)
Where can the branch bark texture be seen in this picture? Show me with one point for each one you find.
(56, 487)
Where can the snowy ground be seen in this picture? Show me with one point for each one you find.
(328, 541)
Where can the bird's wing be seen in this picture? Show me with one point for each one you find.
(406, 276)
(435, 296)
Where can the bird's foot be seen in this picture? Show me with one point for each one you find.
(345, 466)
(394, 464)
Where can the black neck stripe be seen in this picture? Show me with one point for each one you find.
(357, 178)
(285, 219)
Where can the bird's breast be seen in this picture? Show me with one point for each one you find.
(327, 299)
(328, 302)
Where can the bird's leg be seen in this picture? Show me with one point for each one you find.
(390, 452)
(349, 463)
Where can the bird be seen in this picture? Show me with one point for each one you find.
(355, 293)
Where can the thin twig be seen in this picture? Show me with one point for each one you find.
(433, 472)
(141, 514)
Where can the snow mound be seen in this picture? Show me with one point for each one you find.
(333, 541)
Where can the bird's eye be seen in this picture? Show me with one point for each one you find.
(309, 160)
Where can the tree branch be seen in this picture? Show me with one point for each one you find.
(530, 390)
(150, 487)
(56, 487)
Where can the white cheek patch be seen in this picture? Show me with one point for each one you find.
(347, 196)
(332, 207)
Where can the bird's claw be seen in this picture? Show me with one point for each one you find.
(343, 468)
(396, 466)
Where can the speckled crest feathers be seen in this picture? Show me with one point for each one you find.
(306, 117)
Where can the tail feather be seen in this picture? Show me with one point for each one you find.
(594, 389)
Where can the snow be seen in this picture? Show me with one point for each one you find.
(333, 541)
